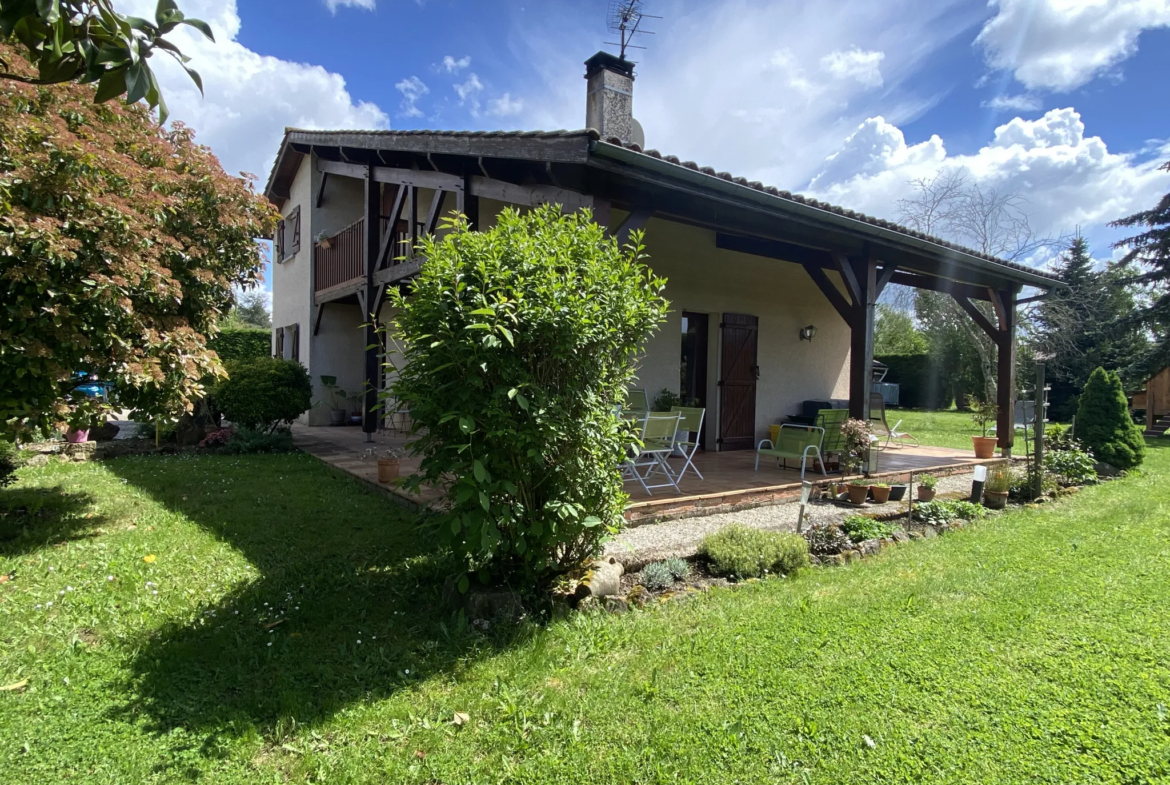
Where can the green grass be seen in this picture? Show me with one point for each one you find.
(937, 429)
(1034, 647)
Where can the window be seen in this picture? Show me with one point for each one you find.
(296, 342)
(287, 240)
(279, 342)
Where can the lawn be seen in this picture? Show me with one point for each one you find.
(261, 619)
(938, 428)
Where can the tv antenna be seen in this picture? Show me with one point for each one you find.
(624, 19)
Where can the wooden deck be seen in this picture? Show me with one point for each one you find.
(729, 481)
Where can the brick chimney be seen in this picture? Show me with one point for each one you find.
(609, 103)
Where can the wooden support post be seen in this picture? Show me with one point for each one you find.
(470, 205)
(864, 276)
(371, 239)
(1006, 371)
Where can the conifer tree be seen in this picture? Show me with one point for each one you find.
(1104, 425)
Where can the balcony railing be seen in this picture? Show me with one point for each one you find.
(338, 260)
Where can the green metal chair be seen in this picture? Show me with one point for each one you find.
(692, 423)
(659, 431)
(636, 400)
(831, 421)
(797, 442)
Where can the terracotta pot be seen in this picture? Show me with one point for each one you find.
(880, 495)
(857, 493)
(77, 437)
(995, 500)
(388, 469)
(925, 494)
(984, 446)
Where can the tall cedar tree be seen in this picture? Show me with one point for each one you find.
(120, 243)
(1086, 326)
(1104, 425)
(1150, 248)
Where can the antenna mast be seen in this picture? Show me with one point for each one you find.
(624, 19)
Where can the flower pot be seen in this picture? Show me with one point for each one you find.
(925, 494)
(355, 419)
(880, 495)
(995, 500)
(337, 416)
(898, 492)
(857, 493)
(77, 437)
(984, 446)
(388, 469)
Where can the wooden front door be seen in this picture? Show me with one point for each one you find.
(737, 382)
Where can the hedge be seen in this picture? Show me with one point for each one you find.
(920, 381)
(242, 343)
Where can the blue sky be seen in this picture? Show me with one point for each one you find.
(1061, 101)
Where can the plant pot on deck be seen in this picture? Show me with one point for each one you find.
(995, 500)
(880, 495)
(857, 493)
(984, 446)
(337, 416)
(388, 469)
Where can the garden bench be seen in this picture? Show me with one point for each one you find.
(796, 442)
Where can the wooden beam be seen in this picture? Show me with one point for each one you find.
(370, 250)
(634, 221)
(528, 195)
(884, 276)
(774, 249)
(838, 301)
(845, 268)
(321, 188)
(338, 292)
(943, 285)
(398, 272)
(1006, 375)
(861, 335)
(432, 221)
(387, 243)
(978, 317)
(385, 174)
(998, 305)
(470, 205)
(318, 312)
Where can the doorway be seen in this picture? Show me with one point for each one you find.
(737, 381)
(693, 365)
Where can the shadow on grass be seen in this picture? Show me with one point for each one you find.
(33, 518)
(345, 603)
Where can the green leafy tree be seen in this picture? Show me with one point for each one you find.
(519, 341)
(120, 245)
(958, 363)
(894, 332)
(1150, 249)
(87, 41)
(251, 310)
(265, 393)
(1104, 425)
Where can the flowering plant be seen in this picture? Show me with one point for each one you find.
(218, 437)
(856, 434)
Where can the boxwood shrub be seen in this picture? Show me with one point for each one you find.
(264, 394)
(738, 551)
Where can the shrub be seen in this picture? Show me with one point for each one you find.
(1104, 425)
(218, 437)
(827, 540)
(934, 513)
(928, 481)
(983, 412)
(518, 342)
(248, 441)
(656, 576)
(859, 528)
(1071, 467)
(1023, 484)
(11, 459)
(678, 568)
(999, 479)
(666, 400)
(241, 343)
(968, 511)
(264, 394)
(738, 551)
(1060, 437)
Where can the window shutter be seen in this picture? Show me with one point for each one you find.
(278, 242)
(296, 342)
(294, 219)
(279, 342)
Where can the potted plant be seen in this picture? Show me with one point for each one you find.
(995, 491)
(983, 413)
(858, 492)
(336, 400)
(855, 434)
(324, 240)
(389, 464)
(880, 492)
(355, 400)
(927, 484)
(898, 491)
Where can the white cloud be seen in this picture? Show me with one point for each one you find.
(856, 64)
(412, 89)
(453, 66)
(469, 88)
(333, 5)
(1063, 44)
(1068, 179)
(505, 106)
(250, 98)
(1015, 103)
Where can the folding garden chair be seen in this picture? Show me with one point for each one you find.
(636, 400)
(659, 431)
(831, 420)
(691, 422)
(891, 437)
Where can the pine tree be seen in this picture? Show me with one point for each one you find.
(1104, 425)
(1150, 248)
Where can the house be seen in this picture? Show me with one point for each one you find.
(749, 267)
(1154, 400)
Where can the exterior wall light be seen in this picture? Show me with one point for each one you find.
(807, 333)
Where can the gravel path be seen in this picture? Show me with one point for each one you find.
(651, 542)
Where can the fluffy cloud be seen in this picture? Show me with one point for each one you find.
(856, 64)
(1014, 103)
(505, 106)
(1068, 179)
(333, 5)
(250, 98)
(468, 89)
(1062, 44)
(412, 89)
(453, 66)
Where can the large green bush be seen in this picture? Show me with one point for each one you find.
(264, 394)
(739, 551)
(1104, 425)
(241, 343)
(518, 343)
(10, 460)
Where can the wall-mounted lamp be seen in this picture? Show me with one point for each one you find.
(807, 333)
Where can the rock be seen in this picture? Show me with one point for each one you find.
(929, 532)
(1107, 470)
(604, 579)
(637, 596)
(79, 452)
(869, 547)
(814, 560)
(851, 556)
(615, 604)
(901, 536)
(916, 535)
(585, 603)
(40, 459)
(836, 560)
(885, 542)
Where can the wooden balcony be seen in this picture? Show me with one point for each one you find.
(339, 262)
